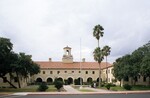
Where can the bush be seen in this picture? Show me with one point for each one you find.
(77, 82)
(58, 84)
(108, 85)
(42, 87)
(66, 82)
(127, 87)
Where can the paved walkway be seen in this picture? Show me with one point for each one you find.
(69, 88)
(97, 90)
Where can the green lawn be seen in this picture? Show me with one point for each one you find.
(140, 87)
(28, 89)
(117, 88)
(134, 88)
(86, 90)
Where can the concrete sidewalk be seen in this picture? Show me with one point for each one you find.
(97, 90)
(69, 88)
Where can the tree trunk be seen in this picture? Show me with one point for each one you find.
(98, 43)
(131, 80)
(9, 82)
(134, 82)
(18, 80)
(149, 82)
(106, 70)
(120, 83)
(99, 75)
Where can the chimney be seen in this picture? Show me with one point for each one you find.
(50, 59)
(83, 60)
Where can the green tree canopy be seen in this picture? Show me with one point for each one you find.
(134, 65)
(11, 62)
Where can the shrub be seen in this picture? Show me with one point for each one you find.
(77, 82)
(58, 84)
(66, 82)
(127, 87)
(42, 87)
(108, 85)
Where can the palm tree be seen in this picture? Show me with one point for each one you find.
(98, 56)
(106, 51)
(98, 32)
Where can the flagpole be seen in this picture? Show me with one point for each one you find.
(80, 65)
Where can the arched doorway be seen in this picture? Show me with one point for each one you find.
(98, 79)
(89, 80)
(80, 81)
(70, 80)
(39, 80)
(49, 80)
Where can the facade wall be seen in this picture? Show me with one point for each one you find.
(65, 74)
(13, 81)
(73, 74)
(140, 81)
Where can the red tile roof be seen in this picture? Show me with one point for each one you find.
(74, 65)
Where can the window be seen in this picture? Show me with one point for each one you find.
(5, 79)
(93, 72)
(67, 52)
(108, 79)
(65, 71)
(136, 79)
(79, 71)
(43, 72)
(86, 72)
(51, 72)
(58, 72)
(144, 79)
(108, 71)
(15, 79)
(72, 71)
(112, 71)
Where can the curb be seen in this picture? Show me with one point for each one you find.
(91, 93)
(76, 93)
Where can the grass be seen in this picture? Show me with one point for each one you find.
(28, 89)
(140, 87)
(134, 88)
(86, 90)
(117, 88)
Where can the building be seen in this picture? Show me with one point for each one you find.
(69, 70)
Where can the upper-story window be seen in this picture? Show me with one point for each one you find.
(93, 72)
(58, 72)
(72, 71)
(86, 72)
(51, 72)
(43, 72)
(112, 71)
(65, 71)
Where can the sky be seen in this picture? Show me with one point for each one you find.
(42, 28)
